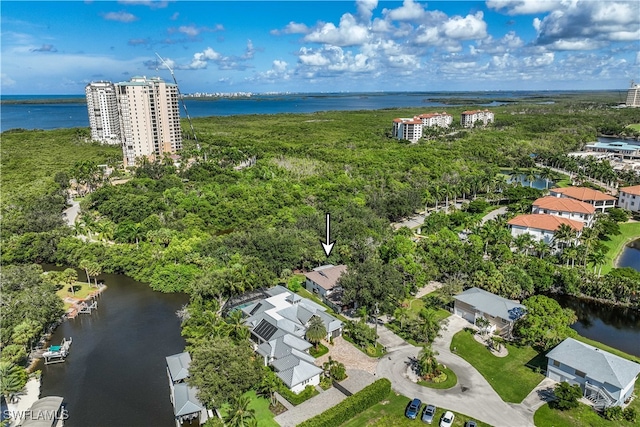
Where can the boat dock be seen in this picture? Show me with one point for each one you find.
(57, 353)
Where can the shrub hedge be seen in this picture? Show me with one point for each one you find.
(351, 406)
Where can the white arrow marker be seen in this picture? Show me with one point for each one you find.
(327, 246)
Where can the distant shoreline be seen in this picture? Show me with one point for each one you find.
(32, 101)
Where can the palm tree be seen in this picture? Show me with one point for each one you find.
(523, 243)
(316, 331)
(240, 414)
(598, 258)
(11, 380)
(94, 270)
(237, 326)
(84, 264)
(546, 174)
(564, 234)
(530, 176)
(427, 363)
(542, 248)
(70, 276)
(269, 384)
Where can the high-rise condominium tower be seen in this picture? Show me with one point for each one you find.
(103, 112)
(149, 118)
(633, 95)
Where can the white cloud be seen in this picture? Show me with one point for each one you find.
(292, 28)
(365, 8)
(45, 48)
(522, 7)
(153, 4)
(540, 60)
(587, 24)
(409, 11)
(6, 80)
(174, 16)
(200, 59)
(467, 28)
(120, 16)
(348, 33)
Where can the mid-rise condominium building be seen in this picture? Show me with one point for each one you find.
(633, 95)
(411, 129)
(149, 118)
(469, 118)
(102, 106)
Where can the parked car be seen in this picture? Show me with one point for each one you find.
(413, 409)
(428, 413)
(447, 419)
(470, 423)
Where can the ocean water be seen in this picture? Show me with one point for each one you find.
(48, 114)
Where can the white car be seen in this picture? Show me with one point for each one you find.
(447, 419)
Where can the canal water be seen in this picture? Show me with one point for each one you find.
(115, 374)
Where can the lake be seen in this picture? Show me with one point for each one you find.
(630, 256)
(115, 374)
(618, 327)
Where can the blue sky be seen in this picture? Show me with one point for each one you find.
(57, 47)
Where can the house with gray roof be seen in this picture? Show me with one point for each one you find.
(605, 379)
(278, 325)
(501, 313)
(324, 281)
(186, 405)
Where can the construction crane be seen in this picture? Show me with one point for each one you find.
(181, 100)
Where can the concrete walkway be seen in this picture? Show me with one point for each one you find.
(27, 397)
(472, 395)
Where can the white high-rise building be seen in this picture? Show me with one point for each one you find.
(103, 112)
(149, 118)
(633, 95)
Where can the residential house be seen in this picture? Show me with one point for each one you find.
(469, 118)
(324, 282)
(501, 313)
(605, 379)
(542, 227)
(599, 200)
(565, 208)
(278, 325)
(629, 198)
(186, 405)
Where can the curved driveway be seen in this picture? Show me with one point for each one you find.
(472, 395)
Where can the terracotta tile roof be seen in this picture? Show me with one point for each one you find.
(544, 222)
(635, 190)
(326, 276)
(564, 204)
(583, 193)
(475, 111)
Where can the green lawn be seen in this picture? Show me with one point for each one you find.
(322, 350)
(390, 413)
(635, 126)
(81, 291)
(501, 372)
(261, 405)
(628, 231)
(451, 380)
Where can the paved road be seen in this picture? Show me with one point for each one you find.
(472, 395)
(493, 214)
(71, 213)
